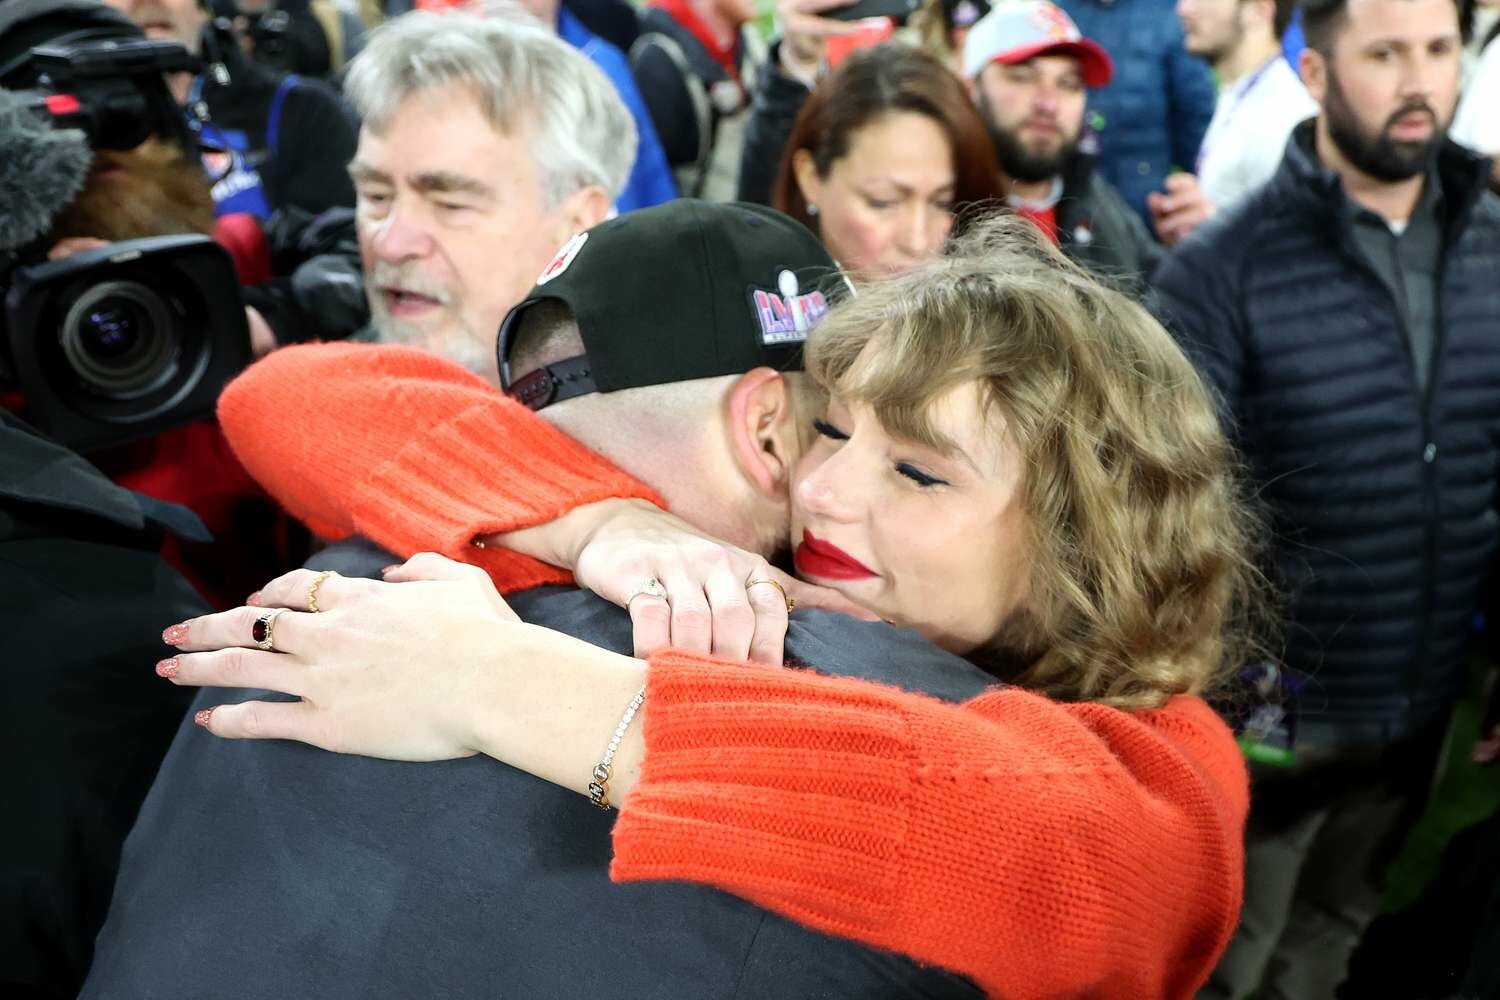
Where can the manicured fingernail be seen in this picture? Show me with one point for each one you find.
(390, 569)
(254, 599)
(201, 718)
(167, 667)
(175, 635)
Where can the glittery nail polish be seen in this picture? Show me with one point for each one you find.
(253, 600)
(390, 569)
(167, 667)
(175, 635)
(201, 718)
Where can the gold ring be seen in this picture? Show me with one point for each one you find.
(791, 602)
(651, 588)
(312, 591)
(263, 632)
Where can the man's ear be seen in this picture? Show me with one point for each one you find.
(1314, 72)
(583, 209)
(762, 437)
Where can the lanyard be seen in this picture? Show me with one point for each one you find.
(1237, 95)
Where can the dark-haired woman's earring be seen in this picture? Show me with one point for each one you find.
(812, 209)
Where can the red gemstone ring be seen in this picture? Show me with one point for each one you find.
(263, 632)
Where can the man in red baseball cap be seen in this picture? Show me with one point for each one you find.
(1030, 69)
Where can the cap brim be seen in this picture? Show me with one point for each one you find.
(1098, 68)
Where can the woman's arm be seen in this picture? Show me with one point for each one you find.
(410, 451)
(1041, 848)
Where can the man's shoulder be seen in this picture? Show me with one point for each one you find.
(838, 645)
(314, 93)
(1237, 234)
(1104, 195)
(603, 54)
(1487, 214)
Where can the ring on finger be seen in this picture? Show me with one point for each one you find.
(650, 588)
(263, 632)
(791, 602)
(312, 591)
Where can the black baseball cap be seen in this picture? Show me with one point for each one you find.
(684, 290)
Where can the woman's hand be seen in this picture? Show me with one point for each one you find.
(383, 670)
(425, 669)
(715, 600)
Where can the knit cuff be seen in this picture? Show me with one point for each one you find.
(473, 475)
(778, 785)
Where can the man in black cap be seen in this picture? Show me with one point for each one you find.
(271, 869)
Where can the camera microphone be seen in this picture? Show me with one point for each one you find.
(42, 169)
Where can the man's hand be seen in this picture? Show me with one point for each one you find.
(1180, 210)
(74, 244)
(262, 340)
(1487, 747)
(804, 32)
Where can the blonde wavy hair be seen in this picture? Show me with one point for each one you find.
(1143, 579)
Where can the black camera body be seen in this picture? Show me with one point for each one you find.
(110, 89)
(126, 340)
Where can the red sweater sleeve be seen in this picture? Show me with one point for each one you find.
(1042, 849)
(410, 451)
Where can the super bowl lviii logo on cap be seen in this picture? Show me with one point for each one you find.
(785, 315)
(563, 259)
(1056, 25)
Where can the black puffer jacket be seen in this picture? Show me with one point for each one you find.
(1382, 496)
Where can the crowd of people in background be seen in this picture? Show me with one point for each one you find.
(1114, 385)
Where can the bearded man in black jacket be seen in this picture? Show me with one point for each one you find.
(1347, 314)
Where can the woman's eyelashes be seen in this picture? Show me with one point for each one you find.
(827, 430)
(916, 475)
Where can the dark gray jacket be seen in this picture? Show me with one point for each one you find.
(1096, 228)
(274, 870)
(1382, 496)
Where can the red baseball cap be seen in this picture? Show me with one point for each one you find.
(1014, 33)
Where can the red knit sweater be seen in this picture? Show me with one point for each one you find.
(1042, 849)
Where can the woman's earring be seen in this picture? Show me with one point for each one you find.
(812, 209)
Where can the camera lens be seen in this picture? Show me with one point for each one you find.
(112, 328)
(119, 339)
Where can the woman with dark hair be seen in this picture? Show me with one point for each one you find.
(881, 155)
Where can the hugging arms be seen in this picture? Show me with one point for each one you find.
(977, 810)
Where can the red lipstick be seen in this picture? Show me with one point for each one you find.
(817, 558)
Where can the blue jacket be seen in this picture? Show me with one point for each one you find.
(1381, 496)
(1153, 114)
(650, 180)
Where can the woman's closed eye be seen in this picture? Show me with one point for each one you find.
(827, 430)
(919, 477)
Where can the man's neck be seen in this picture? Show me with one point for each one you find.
(1393, 201)
(1253, 52)
(1034, 192)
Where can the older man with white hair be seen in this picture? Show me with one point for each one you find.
(486, 145)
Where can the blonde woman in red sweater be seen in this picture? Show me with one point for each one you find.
(1054, 502)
